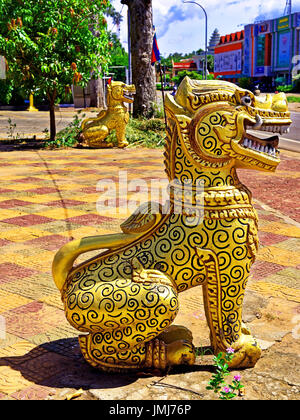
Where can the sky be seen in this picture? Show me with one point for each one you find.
(181, 27)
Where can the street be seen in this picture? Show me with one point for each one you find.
(294, 133)
(23, 124)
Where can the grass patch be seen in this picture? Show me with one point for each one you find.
(140, 132)
(293, 99)
(143, 133)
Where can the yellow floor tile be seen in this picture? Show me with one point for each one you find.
(40, 262)
(281, 229)
(280, 256)
(275, 290)
(91, 198)
(20, 186)
(61, 213)
(42, 198)
(11, 300)
(53, 300)
(22, 234)
(68, 187)
(17, 349)
(11, 380)
(91, 231)
(8, 213)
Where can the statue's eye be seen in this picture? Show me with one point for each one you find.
(246, 100)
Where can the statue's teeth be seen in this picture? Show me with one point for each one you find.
(246, 142)
(250, 143)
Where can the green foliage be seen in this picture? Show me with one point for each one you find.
(49, 44)
(293, 99)
(285, 88)
(118, 57)
(139, 132)
(158, 87)
(11, 135)
(191, 74)
(217, 382)
(143, 133)
(6, 90)
(245, 83)
(68, 136)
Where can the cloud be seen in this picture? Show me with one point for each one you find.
(180, 27)
(174, 14)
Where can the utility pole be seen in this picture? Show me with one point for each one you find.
(129, 49)
(129, 56)
(194, 2)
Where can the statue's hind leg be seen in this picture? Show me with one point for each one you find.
(121, 135)
(125, 322)
(223, 298)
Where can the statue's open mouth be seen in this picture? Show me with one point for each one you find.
(269, 145)
(129, 95)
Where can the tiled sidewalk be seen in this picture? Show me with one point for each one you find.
(48, 198)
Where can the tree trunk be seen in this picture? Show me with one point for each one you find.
(52, 97)
(143, 74)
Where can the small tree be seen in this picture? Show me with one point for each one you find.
(50, 44)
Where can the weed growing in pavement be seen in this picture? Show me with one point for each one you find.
(217, 382)
(11, 131)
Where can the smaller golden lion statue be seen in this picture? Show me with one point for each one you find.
(115, 117)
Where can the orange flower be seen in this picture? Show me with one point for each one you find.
(74, 66)
(77, 77)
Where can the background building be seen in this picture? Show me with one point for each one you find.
(229, 57)
(269, 49)
(264, 52)
(188, 65)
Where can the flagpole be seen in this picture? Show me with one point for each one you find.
(154, 59)
(162, 91)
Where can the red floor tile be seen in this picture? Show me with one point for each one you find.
(28, 220)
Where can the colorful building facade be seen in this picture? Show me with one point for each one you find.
(188, 65)
(229, 56)
(268, 51)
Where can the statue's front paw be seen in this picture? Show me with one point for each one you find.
(179, 345)
(123, 144)
(181, 352)
(246, 352)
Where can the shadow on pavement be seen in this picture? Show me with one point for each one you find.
(60, 364)
(12, 146)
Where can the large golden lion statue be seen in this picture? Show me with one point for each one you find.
(125, 300)
(115, 117)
